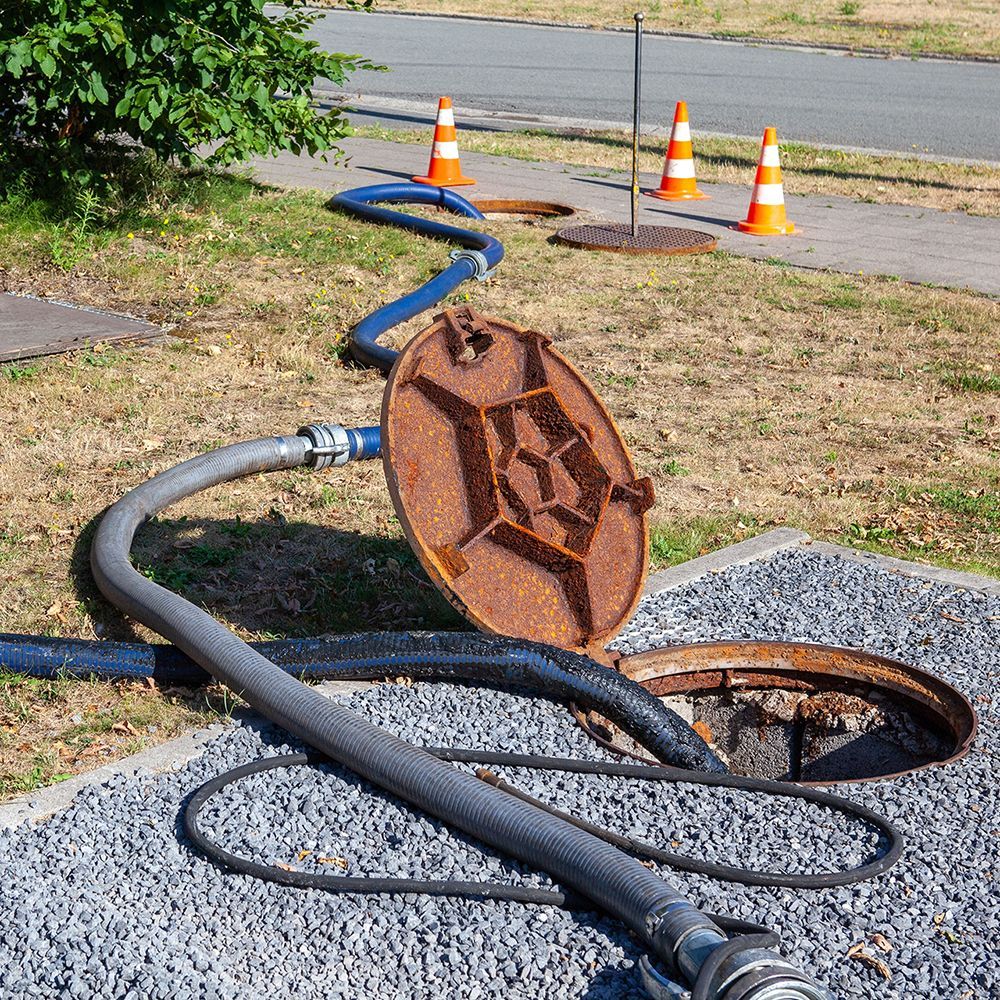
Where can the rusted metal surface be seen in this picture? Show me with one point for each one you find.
(521, 206)
(828, 675)
(618, 238)
(513, 484)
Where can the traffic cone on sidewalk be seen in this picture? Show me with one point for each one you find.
(445, 169)
(766, 216)
(678, 182)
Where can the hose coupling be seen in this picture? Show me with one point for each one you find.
(767, 979)
(332, 444)
(478, 258)
(694, 949)
(329, 445)
(763, 975)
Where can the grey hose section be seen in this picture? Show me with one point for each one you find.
(620, 885)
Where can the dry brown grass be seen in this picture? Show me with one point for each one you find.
(972, 188)
(754, 394)
(52, 729)
(954, 27)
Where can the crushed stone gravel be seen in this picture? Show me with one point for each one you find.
(105, 900)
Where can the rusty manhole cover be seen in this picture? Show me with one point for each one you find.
(803, 712)
(617, 237)
(512, 483)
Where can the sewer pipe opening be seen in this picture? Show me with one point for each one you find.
(802, 712)
(523, 209)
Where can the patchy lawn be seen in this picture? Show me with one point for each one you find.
(858, 408)
(911, 27)
(885, 179)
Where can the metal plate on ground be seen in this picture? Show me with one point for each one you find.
(31, 327)
(617, 237)
(513, 484)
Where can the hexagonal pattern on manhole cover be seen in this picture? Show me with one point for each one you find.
(513, 484)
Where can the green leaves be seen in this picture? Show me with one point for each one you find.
(191, 80)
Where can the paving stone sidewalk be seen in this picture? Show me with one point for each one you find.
(913, 244)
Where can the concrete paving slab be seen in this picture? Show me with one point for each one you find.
(913, 244)
(45, 802)
(32, 327)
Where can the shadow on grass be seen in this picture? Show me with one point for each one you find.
(274, 578)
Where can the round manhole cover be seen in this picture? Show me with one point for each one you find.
(617, 237)
(801, 712)
(512, 483)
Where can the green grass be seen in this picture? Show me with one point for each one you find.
(222, 217)
(942, 523)
(982, 507)
(972, 382)
(673, 543)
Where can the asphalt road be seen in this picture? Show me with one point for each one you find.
(944, 108)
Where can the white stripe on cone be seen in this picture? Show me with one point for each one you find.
(769, 157)
(680, 168)
(681, 132)
(768, 194)
(446, 116)
(445, 150)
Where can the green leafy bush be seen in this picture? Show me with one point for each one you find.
(84, 83)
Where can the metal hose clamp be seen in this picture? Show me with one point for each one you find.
(483, 269)
(329, 445)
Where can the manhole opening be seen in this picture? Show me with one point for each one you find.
(522, 210)
(853, 717)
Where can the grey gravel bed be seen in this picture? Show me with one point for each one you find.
(104, 899)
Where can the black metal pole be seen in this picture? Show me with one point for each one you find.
(639, 17)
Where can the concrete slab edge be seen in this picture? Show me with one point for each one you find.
(170, 756)
(766, 545)
(472, 118)
(750, 550)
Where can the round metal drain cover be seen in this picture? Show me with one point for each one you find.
(617, 237)
(513, 484)
(802, 712)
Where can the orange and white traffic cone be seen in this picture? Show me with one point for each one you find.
(678, 182)
(766, 216)
(445, 169)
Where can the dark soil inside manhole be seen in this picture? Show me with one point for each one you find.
(837, 735)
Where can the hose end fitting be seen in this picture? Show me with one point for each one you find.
(328, 445)
(479, 261)
(332, 444)
(772, 978)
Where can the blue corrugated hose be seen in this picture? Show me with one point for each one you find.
(363, 203)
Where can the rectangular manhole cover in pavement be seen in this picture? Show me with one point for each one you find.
(31, 327)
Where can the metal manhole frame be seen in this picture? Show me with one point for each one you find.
(525, 206)
(788, 664)
(616, 237)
